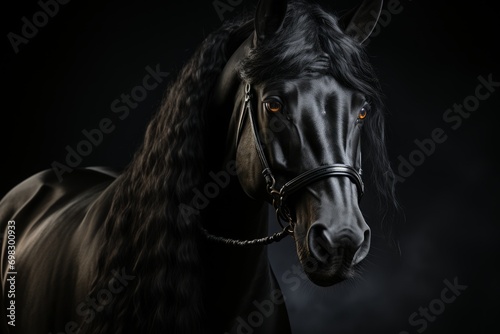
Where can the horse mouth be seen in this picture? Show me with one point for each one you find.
(335, 267)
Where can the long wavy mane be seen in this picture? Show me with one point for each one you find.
(144, 232)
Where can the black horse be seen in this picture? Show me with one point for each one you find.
(270, 109)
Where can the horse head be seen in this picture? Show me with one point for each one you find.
(303, 91)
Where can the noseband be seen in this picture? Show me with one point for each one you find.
(280, 195)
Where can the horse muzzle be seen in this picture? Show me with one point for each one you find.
(337, 240)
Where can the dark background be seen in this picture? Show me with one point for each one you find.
(429, 57)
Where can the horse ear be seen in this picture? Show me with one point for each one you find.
(269, 18)
(359, 22)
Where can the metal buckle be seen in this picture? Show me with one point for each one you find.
(247, 92)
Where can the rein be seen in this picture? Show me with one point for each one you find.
(279, 197)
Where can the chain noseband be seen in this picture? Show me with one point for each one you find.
(280, 195)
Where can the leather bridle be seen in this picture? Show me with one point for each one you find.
(280, 195)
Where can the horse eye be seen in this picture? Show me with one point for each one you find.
(363, 112)
(273, 106)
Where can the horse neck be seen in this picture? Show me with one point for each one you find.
(234, 276)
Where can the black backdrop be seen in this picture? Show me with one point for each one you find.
(430, 56)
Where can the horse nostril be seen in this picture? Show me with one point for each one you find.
(320, 245)
(363, 249)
